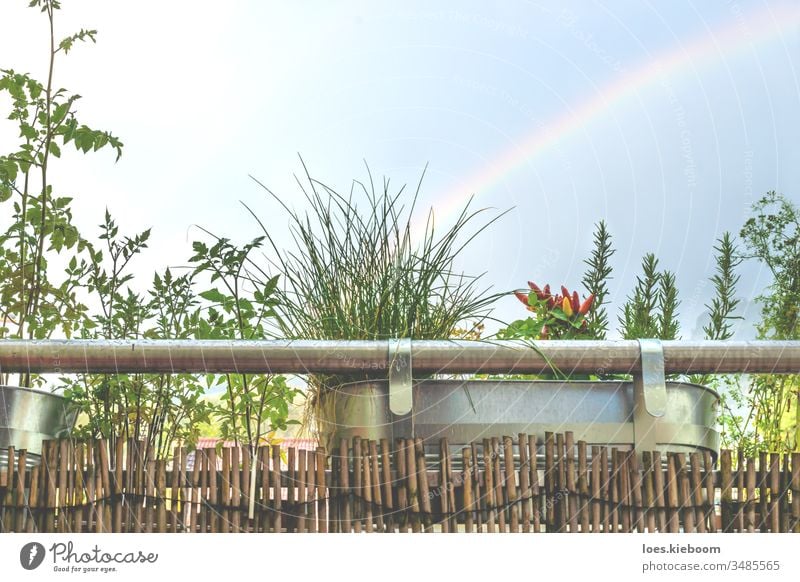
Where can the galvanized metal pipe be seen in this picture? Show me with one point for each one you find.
(451, 357)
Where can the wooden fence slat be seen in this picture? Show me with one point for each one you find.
(62, 487)
(510, 483)
(386, 481)
(658, 487)
(22, 474)
(51, 469)
(344, 484)
(161, 495)
(277, 489)
(150, 491)
(176, 494)
(774, 492)
(6, 500)
(635, 480)
(786, 486)
(583, 488)
(193, 518)
(105, 491)
(367, 485)
(673, 497)
(549, 482)
(740, 490)
(413, 485)
(524, 481)
(377, 493)
(625, 494)
(116, 505)
(302, 492)
(572, 498)
(686, 498)
(763, 483)
(93, 509)
(697, 492)
(205, 486)
(649, 491)
(466, 455)
(750, 506)
(236, 489)
(605, 492)
(499, 491)
(726, 495)
(225, 490)
(320, 485)
(422, 483)
(614, 490)
(560, 500)
(33, 502)
(358, 506)
(291, 478)
(595, 491)
(402, 485)
(476, 488)
(444, 486)
(489, 488)
(533, 451)
(708, 476)
(79, 486)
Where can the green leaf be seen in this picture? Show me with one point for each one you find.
(54, 149)
(59, 113)
(213, 295)
(27, 131)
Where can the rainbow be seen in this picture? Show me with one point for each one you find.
(735, 37)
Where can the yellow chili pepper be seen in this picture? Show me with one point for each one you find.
(566, 307)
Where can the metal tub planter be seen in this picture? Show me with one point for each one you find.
(646, 414)
(602, 413)
(27, 417)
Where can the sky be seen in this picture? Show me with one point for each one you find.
(667, 120)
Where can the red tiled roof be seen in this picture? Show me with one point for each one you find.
(288, 443)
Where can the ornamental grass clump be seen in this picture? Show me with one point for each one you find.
(363, 269)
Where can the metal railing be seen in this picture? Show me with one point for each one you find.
(446, 357)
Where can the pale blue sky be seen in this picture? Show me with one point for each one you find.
(205, 93)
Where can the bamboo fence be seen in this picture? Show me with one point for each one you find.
(497, 485)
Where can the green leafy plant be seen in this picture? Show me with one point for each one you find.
(155, 408)
(33, 304)
(359, 269)
(723, 306)
(240, 304)
(596, 278)
(554, 316)
(772, 236)
(651, 311)
(721, 314)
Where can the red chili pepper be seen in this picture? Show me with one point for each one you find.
(551, 301)
(576, 302)
(547, 290)
(564, 291)
(523, 297)
(586, 305)
(535, 288)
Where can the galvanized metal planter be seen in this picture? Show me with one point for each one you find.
(27, 417)
(600, 413)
